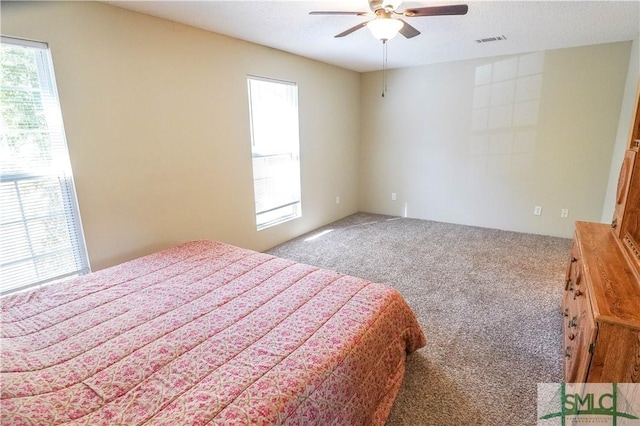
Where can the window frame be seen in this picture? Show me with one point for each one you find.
(291, 209)
(57, 175)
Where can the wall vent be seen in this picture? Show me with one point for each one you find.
(488, 39)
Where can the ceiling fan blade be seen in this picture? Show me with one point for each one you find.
(456, 9)
(407, 30)
(352, 29)
(335, 12)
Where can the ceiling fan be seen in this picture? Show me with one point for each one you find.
(384, 26)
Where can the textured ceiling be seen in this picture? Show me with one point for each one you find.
(286, 25)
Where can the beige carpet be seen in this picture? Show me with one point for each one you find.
(487, 301)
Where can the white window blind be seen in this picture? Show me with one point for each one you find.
(40, 230)
(275, 148)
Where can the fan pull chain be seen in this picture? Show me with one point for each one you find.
(384, 67)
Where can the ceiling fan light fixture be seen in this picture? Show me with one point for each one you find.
(384, 28)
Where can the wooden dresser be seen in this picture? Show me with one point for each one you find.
(601, 301)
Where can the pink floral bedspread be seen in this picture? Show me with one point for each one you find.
(205, 333)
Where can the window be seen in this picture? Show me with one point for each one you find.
(40, 231)
(275, 148)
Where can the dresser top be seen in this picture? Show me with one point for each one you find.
(612, 282)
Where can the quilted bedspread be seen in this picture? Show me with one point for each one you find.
(205, 333)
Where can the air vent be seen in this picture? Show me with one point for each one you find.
(488, 39)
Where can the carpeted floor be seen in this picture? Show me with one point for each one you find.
(487, 300)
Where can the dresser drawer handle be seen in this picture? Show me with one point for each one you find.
(573, 259)
(567, 352)
(573, 322)
(577, 293)
(566, 312)
(571, 336)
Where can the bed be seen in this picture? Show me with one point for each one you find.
(205, 333)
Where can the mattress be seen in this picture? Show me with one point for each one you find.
(205, 333)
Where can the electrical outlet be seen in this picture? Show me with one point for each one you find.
(338, 199)
(537, 210)
(564, 213)
(393, 196)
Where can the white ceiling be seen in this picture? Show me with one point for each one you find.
(287, 25)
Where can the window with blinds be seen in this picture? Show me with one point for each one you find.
(40, 231)
(275, 148)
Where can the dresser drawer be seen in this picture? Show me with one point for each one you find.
(578, 323)
(579, 334)
(574, 289)
(574, 266)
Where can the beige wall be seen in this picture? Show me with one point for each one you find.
(481, 142)
(623, 135)
(156, 118)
